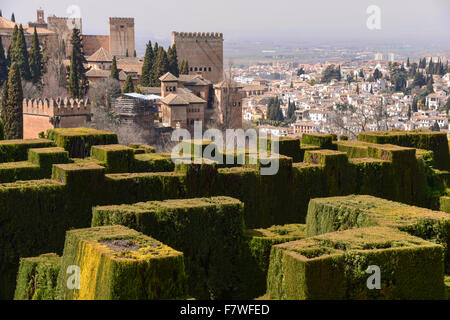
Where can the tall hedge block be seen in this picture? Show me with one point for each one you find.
(22, 170)
(45, 158)
(445, 204)
(333, 266)
(324, 141)
(117, 158)
(207, 230)
(17, 150)
(78, 141)
(357, 211)
(153, 162)
(37, 277)
(140, 148)
(428, 140)
(260, 242)
(339, 175)
(117, 263)
(289, 147)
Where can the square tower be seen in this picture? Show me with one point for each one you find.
(121, 36)
(203, 52)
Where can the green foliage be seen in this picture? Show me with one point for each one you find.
(37, 277)
(184, 67)
(117, 158)
(113, 261)
(324, 141)
(3, 64)
(114, 71)
(78, 141)
(146, 79)
(173, 60)
(274, 110)
(19, 55)
(17, 150)
(377, 74)
(161, 65)
(331, 73)
(12, 113)
(153, 162)
(128, 85)
(333, 266)
(78, 82)
(36, 63)
(208, 231)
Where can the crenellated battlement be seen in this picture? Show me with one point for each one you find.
(204, 35)
(117, 20)
(56, 107)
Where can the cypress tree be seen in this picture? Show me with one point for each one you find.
(173, 60)
(3, 64)
(1, 14)
(184, 68)
(19, 54)
(78, 83)
(126, 54)
(161, 66)
(13, 18)
(12, 113)
(134, 53)
(128, 85)
(36, 65)
(114, 71)
(146, 76)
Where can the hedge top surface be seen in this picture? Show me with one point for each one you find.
(173, 204)
(126, 176)
(80, 132)
(111, 147)
(118, 242)
(356, 240)
(18, 164)
(402, 133)
(384, 212)
(153, 156)
(48, 150)
(280, 232)
(83, 166)
(25, 141)
(29, 184)
(47, 258)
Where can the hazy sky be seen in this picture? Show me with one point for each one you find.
(254, 19)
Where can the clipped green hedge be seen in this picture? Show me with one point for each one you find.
(117, 158)
(140, 148)
(17, 150)
(209, 231)
(260, 242)
(333, 266)
(117, 263)
(445, 204)
(289, 147)
(78, 141)
(358, 211)
(324, 141)
(22, 170)
(153, 162)
(37, 277)
(420, 139)
(45, 158)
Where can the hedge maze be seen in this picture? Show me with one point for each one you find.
(85, 218)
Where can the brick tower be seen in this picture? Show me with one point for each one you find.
(121, 36)
(203, 51)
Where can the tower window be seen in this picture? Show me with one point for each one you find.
(209, 69)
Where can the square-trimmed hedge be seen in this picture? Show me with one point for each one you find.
(357, 211)
(37, 277)
(209, 231)
(140, 148)
(78, 141)
(322, 140)
(22, 170)
(289, 147)
(17, 150)
(333, 266)
(117, 158)
(45, 158)
(117, 263)
(154, 162)
(420, 139)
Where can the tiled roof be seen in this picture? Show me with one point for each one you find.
(101, 55)
(190, 79)
(6, 24)
(98, 73)
(182, 97)
(168, 77)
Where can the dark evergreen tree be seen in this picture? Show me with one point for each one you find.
(357, 89)
(126, 54)
(184, 68)
(36, 65)
(300, 71)
(134, 53)
(128, 85)
(3, 64)
(291, 110)
(361, 74)
(19, 54)
(114, 71)
(173, 60)
(414, 104)
(78, 82)
(13, 18)
(377, 74)
(430, 83)
(161, 66)
(12, 113)
(419, 80)
(146, 76)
